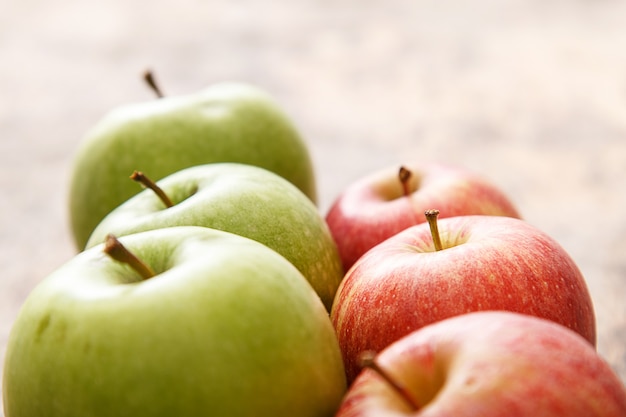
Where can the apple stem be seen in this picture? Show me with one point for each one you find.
(404, 175)
(431, 216)
(368, 360)
(114, 248)
(141, 178)
(148, 77)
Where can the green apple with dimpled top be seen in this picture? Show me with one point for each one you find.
(226, 122)
(241, 199)
(213, 324)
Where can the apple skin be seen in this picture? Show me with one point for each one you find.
(227, 327)
(241, 199)
(375, 208)
(488, 263)
(226, 122)
(490, 364)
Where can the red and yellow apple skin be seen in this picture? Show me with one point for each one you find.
(375, 207)
(487, 263)
(490, 364)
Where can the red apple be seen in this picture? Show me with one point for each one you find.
(488, 364)
(486, 263)
(388, 201)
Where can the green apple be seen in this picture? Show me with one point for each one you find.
(227, 122)
(224, 327)
(241, 199)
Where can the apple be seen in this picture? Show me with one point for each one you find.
(390, 200)
(212, 324)
(485, 263)
(226, 122)
(487, 364)
(241, 199)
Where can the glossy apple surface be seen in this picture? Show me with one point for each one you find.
(376, 207)
(241, 199)
(226, 327)
(227, 122)
(489, 364)
(487, 263)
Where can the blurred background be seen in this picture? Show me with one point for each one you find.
(531, 94)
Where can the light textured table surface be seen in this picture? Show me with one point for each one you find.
(531, 94)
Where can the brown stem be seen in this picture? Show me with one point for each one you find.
(404, 175)
(148, 183)
(368, 360)
(148, 77)
(114, 248)
(431, 216)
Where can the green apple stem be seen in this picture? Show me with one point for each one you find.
(404, 175)
(368, 360)
(148, 77)
(431, 217)
(141, 178)
(114, 248)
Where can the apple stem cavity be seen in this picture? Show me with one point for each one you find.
(404, 175)
(148, 77)
(141, 178)
(368, 360)
(117, 251)
(431, 217)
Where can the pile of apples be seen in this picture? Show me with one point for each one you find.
(215, 287)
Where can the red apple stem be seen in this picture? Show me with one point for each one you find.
(117, 251)
(148, 77)
(404, 175)
(431, 217)
(141, 178)
(368, 360)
